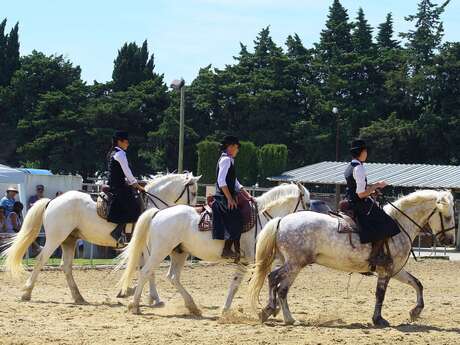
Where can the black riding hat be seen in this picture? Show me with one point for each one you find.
(120, 135)
(229, 140)
(357, 146)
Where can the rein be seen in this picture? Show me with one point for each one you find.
(153, 197)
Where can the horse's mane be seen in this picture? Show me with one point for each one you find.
(417, 197)
(161, 181)
(278, 195)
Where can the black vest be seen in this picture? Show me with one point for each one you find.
(230, 179)
(116, 174)
(351, 183)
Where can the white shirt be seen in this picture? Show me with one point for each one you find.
(359, 174)
(224, 164)
(120, 157)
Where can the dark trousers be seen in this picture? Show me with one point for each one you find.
(125, 206)
(375, 224)
(227, 223)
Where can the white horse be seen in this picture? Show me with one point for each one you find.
(306, 238)
(73, 216)
(174, 232)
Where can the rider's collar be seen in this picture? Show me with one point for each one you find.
(119, 148)
(356, 161)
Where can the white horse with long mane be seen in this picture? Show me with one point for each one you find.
(303, 239)
(174, 232)
(73, 216)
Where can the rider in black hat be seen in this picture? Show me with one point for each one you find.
(125, 206)
(227, 218)
(375, 224)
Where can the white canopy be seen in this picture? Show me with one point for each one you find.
(10, 175)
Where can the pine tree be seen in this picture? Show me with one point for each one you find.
(428, 33)
(362, 34)
(385, 34)
(336, 38)
(132, 66)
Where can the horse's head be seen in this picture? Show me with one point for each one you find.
(304, 196)
(442, 221)
(173, 189)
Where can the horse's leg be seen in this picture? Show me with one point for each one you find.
(273, 281)
(154, 297)
(382, 284)
(150, 263)
(47, 251)
(68, 252)
(405, 277)
(175, 269)
(288, 278)
(234, 285)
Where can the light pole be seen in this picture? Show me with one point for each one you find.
(179, 86)
(335, 111)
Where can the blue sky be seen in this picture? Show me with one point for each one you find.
(184, 35)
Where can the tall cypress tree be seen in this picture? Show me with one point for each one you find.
(385, 34)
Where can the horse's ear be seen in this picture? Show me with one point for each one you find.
(443, 201)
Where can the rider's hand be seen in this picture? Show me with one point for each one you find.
(382, 184)
(140, 188)
(231, 203)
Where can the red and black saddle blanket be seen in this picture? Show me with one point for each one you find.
(247, 208)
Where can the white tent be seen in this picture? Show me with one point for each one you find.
(27, 179)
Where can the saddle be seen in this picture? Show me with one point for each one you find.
(103, 202)
(247, 208)
(346, 221)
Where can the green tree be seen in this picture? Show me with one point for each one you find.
(208, 154)
(132, 66)
(272, 161)
(385, 34)
(246, 163)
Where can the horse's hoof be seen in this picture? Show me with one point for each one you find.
(380, 322)
(290, 322)
(195, 311)
(81, 302)
(134, 309)
(415, 313)
(263, 316)
(158, 304)
(25, 297)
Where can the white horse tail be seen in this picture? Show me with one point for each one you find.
(265, 255)
(131, 255)
(30, 229)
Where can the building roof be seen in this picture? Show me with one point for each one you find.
(400, 175)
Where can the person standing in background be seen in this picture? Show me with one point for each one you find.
(9, 199)
(40, 190)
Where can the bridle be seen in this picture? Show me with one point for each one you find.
(422, 227)
(153, 198)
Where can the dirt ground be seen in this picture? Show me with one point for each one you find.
(328, 312)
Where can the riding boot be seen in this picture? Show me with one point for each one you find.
(378, 257)
(119, 235)
(236, 245)
(228, 253)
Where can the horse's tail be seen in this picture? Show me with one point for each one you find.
(30, 229)
(265, 255)
(131, 255)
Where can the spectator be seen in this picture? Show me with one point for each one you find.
(14, 218)
(39, 189)
(2, 219)
(9, 199)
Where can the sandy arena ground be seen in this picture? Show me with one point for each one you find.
(328, 313)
